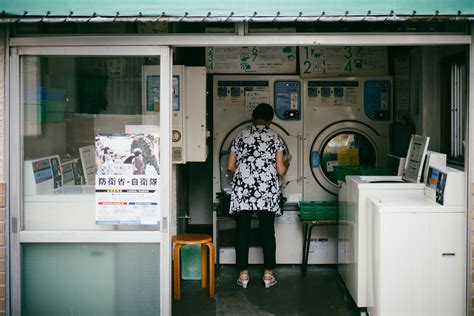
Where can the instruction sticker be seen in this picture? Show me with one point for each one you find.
(254, 98)
(242, 93)
(348, 157)
(318, 248)
(251, 59)
(330, 165)
(343, 61)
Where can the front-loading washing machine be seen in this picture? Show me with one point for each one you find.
(346, 123)
(234, 98)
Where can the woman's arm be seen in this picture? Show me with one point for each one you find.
(281, 164)
(232, 162)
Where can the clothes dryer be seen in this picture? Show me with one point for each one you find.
(234, 99)
(342, 114)
(346, 122)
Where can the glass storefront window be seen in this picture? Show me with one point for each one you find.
(84, 116)
(90, 279)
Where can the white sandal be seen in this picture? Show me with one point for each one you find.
(269, 280)
(243, 280)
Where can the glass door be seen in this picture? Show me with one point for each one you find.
(89, 180)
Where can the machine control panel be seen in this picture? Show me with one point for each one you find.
(291, 115)
(73, 173)
(287, 96)
(444, 186)
(332, 92)
(242, 93)
(378, 100)
(42, 175)
(42, 170)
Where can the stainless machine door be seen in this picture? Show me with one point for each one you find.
(225, 176)
(345, 143)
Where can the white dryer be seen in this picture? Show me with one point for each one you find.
(346, 122)
(234, 99)
(341, 114)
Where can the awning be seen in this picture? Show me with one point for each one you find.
(232, 10)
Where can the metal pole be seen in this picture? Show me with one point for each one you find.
(469, 169)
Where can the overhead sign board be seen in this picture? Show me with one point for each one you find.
(251, 59)
(345, 61)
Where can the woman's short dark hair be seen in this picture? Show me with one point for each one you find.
(263, 111)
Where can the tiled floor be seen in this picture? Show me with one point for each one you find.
(321, 292)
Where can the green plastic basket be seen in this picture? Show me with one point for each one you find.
(340, 172)
(318, 210)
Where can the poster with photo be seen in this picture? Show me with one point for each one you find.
(127, 178)
(127, 154)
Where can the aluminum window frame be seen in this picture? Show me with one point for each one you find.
(15, 158)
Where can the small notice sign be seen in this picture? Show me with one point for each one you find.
(318, 248)
(320, 62)
(251, 59)
(348, 157)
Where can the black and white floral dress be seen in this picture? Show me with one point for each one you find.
(255, 185)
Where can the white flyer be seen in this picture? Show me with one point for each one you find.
(127, 200)
(254, 98)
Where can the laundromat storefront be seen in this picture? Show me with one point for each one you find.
(79, 101)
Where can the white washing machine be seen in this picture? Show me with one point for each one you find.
(353, 223)
(234, 99)
(417, 249)
(343, 113)
(346, 122)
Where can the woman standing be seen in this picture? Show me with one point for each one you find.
(257, 158)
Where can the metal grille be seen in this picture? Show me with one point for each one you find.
(458, 109)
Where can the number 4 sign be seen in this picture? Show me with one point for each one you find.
(344, 61)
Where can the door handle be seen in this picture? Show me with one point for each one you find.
(299, 160)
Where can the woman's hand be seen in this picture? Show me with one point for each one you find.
(281, 164)
(232, 162)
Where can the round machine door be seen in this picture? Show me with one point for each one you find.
(342, 144)
(224, 150)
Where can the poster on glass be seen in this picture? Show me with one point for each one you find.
(127, 179)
